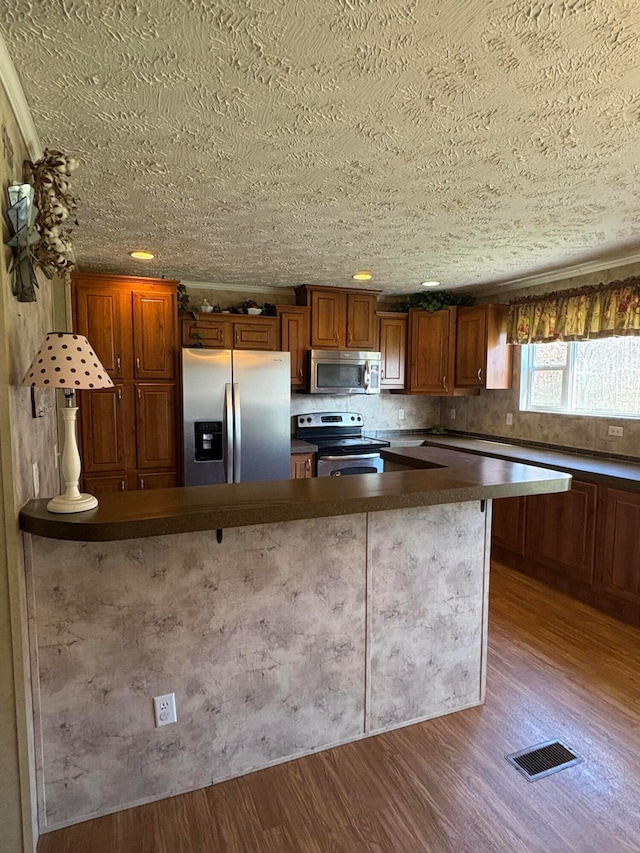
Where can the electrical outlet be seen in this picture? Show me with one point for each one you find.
(35, 473)
(452, 414)
(400, 414)
(619, 431)
(509, 419)
(165, 709)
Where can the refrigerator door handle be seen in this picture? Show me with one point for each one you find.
(237, 438)
(228, 412)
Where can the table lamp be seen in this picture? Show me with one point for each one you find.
(66, 360)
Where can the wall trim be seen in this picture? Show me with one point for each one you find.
(240, 288)
(18, 102)
(558, 274)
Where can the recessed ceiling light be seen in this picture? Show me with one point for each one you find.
(362, 276)
(430, 284)
(142, 256)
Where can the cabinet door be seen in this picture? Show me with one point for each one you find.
(207, 331)
(328, 319)
(429, 368)
(508, 525)
(302, 466)
(261, 334)
(361, 321)
(294, 330)
(471, 345)
(106, 438)
(102, 316)
(621, 545)
(155, 425)
(393, 347)
(560, 530)
(162, 480)
(154, 333)
(483, 357)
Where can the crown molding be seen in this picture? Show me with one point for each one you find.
(559, 274)
(15, 95)
(239, 288)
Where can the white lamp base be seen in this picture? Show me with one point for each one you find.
(62, 503)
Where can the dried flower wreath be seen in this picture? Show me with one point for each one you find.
(56, 210)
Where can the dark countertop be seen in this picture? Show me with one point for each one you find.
(592, 468)
(298, 446)
(442, 476)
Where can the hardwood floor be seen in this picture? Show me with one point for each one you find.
(556, 668)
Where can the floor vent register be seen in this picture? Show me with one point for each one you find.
(536, 762)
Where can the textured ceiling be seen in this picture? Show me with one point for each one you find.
(276, 142)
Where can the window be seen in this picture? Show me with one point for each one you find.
(597, 377)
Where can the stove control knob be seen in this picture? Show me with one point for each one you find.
(308, 420)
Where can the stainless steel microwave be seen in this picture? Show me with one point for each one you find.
(344, 372)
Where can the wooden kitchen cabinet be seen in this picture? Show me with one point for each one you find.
(294, 336)
(302, 466)
(561, 530)
(130, 430)
(431, 343)
(392, 337)
(621, 545)
(508, 527)
(231, 331)
(340, 318)
(483, 357)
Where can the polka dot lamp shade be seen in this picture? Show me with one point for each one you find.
(66, 360)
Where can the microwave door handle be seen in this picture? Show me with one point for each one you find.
(367, 376)
(237, 428)
(228, 412)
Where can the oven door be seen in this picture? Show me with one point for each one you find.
(355, 463)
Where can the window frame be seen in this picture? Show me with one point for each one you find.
(567, 401)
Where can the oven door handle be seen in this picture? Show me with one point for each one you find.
(355, 456)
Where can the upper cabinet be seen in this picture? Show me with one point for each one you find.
(483, 357)
(432, 351)
(231, 331)
(294, 334)
(154, 326)
(340, 318)
(392, 337)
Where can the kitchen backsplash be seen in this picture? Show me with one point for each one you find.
(487, 413)
(380, 411)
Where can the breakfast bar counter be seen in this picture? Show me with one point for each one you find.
(426, 476)
(329, 610)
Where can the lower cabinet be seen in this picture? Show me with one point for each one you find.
(302, 466)
(585, 542)
(621, 545)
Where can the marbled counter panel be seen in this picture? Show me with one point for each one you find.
(260, 637)
(427, 612)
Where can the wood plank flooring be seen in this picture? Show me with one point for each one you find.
(556, 668)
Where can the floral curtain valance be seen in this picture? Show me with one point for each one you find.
(576, 315)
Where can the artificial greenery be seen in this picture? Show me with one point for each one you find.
(432, 301)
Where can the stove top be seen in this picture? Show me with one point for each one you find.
(336, 432)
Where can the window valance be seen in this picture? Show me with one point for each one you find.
(597, 311)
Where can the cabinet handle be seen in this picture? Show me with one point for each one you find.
(237, 337)
(349, 339)
(139, 394)
(300, 373)
(123, 486)
(118, 362)
(336, 337)
(479, 374)
(119, 393)
(142, 482)
(308, 463)
(137, 364)
(444, 383)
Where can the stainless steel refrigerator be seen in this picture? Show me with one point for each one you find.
(236, 413)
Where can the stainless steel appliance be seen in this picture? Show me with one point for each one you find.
(236, 416)
(344, 372)
(342, 447)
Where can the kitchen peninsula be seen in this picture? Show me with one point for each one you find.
(332, 609)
